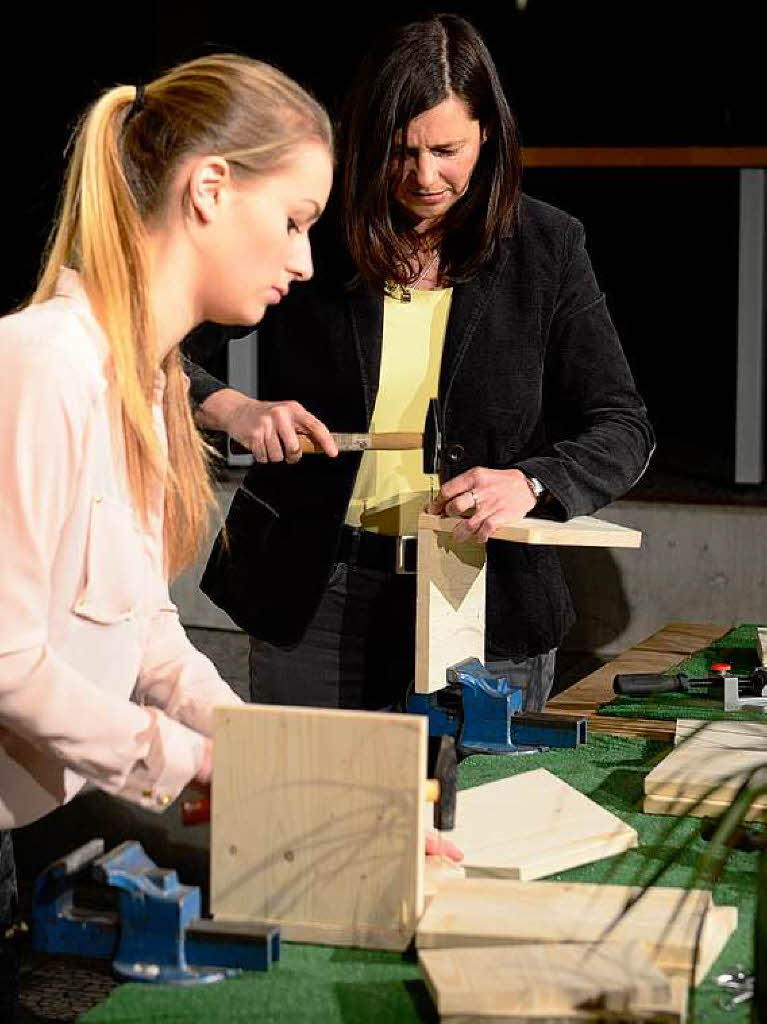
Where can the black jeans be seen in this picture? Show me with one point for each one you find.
(359, 650)
(9, 964)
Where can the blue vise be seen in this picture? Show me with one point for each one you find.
(484, 714)
(155, 933)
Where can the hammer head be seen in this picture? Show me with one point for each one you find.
(432, 438)
(445, 770)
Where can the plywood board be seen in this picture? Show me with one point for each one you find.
(489, 912)
(580, 531)
(450, 607)
(713, 763)
(543, 979)
(532, 825)
(682, 638)
(317, 822)
(439, 871)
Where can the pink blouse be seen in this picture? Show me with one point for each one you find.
(98, 680)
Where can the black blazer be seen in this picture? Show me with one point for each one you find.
(533, 376)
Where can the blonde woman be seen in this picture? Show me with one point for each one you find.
(188, 200)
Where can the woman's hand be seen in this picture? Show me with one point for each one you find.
(201, 781)
(437, 845)
(270, 429)
(491, 496)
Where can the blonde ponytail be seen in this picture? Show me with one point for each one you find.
(118, 178)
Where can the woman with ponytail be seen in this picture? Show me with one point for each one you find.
(187, 200)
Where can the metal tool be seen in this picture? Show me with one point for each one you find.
(739, 984)
(484, 714)
(738, 693)
(144, 920)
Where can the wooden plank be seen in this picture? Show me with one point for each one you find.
(439, 871)
(531, 825)
(450, 606)
(580, 531)
(543, 979)
(597, 687)
(317, 822)
(711, 764)
(729, 734)
(490, 912)
(681, 807)
(645, 156)
(682, 638)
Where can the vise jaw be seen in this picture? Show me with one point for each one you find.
(484, 714)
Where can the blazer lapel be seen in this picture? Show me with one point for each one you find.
(366, 315)
(470, 300)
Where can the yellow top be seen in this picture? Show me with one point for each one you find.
(391, 488)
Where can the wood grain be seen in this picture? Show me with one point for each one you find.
(450, 606)
(581, 531)
(681, 807)
(532, 825)
(317, 822)
(542, 979)
(491, 912)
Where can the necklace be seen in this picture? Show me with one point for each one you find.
(404, 293)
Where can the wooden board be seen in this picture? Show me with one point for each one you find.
(761, 644)
(580, 531)
(531, 825)
(711, 764)
(450, 607)
(439, 871)
(680, 807)
(491, 912)
(543, 979)
(317, 823)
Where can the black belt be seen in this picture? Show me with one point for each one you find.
(377, 551)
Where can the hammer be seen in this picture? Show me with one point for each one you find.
(440, 790)
(430, 441)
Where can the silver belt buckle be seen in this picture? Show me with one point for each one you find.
(399, 555)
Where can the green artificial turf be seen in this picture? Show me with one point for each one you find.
(736, 648)
(346, 986)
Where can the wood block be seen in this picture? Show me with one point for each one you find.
(531, 825)
(713, 763)
(580, 531)
(439, 871)
(450, 607)
(317, 823)
(490, 912)
(543, 979)
(682, 638)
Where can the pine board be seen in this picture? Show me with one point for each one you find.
(710, 764)
(490, 912)
(531, 825)
(450, 607)
(542, 979)
(580, 531)
(317, 823)
(680, 807)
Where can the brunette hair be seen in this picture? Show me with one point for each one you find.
(125, 155)
(415, 68)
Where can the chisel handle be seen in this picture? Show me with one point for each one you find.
(644, 685)
(396, 441)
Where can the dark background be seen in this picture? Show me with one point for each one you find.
(664, 242)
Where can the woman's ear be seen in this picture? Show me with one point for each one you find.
(209, 179)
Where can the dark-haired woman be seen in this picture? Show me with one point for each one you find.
(450, 283)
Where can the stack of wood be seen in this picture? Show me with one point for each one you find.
(707, 768)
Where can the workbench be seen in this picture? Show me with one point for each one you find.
(346, 986)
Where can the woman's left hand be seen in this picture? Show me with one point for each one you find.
(496, 496)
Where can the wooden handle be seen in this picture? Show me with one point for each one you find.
(393, 441)
(432, 791)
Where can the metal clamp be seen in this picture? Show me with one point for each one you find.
(404, 566)
(739, 986)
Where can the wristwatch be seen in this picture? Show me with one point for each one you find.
(535, 486)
